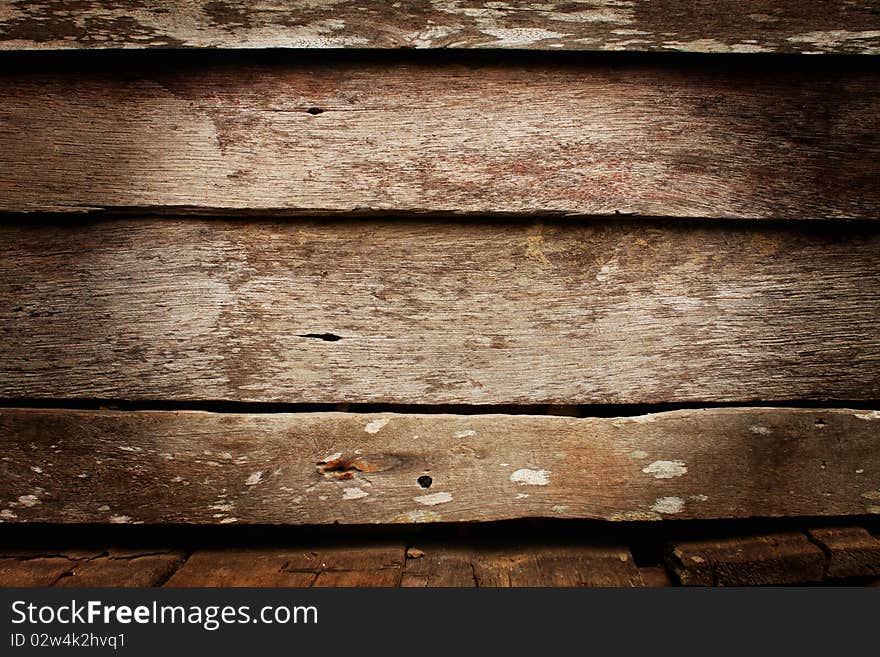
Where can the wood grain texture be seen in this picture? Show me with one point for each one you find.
(508, 566)
(450, 313)
(813, 26)
(578, 137)
(349, 565)
(850, 551)
(767, 560)
(322, 468)
(81, 568)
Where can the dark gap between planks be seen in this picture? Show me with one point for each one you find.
(578, 410)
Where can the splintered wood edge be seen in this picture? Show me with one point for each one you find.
(751, 26)
(320, 468)
(563, 138)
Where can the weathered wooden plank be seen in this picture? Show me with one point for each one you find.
(526, 565)
(455, 313)
(579, 137)
(40, 571)
(851, 551)
(314, 468)
(135, 572)
(702, 25)
(772, 559)
(337, 565)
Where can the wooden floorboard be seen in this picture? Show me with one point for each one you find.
(351, 468)
(428, 312)
(745, 26)
(824, 555)
(706, 139)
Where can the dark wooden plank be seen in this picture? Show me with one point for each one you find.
(339, 565)
(239, 568)
(138, 571)
(851, 551)
(585, 138)
(655, 576)
(416, 312)
(526, 565)
(772, 559)
(36, 572)
(315, 468)
(699, 25)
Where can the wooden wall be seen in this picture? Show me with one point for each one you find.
(361, 262)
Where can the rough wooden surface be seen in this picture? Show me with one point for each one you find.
(851, 551)
(493, 566)
(81, 568)
(746, 26)
(773, 559)
(338, 565)
(577, 137)
(439, 313)
(321, 468)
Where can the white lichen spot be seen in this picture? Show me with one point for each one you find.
(254, 479)
(604, 271)
(177, 479)
(225, 506)
(699, 497)
(526, 477)
(129, 448)
(873, 509)
(103, 507)
(82, 475)
(464, 434)
(375, 425)
(120, 520)
(638, 454)
(37, 469)
(666, 469)
(627, 516)
(7, 514)
(333, 457)
(511, 37)
(559, 508)
(427, 37)
(868, 415)
(417, 516)
(668, 505)
(759, 430)
(229, 520)
(521, 496)
(865, 41)
(434, 499)
(860, 471)
(870, 495)
(28, 500)
(353, 494)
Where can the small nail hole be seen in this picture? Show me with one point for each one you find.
(315, 110)
(425, 481)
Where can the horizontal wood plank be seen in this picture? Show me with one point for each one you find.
(850, 551)
(322, 468)
(584, 137)
(811, 26)
(418, 312)
(765, 560)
